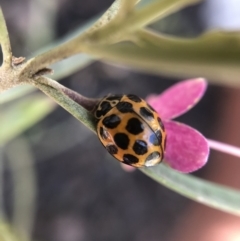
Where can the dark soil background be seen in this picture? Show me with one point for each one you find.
(82, 192)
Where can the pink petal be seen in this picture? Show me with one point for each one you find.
(179, 98)
(186, 149)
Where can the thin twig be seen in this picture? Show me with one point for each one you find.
(85, 102)
(140, 18)
(5, 42)
(70, 47)
(68, 102)
(105, 32)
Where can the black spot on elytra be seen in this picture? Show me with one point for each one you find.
(111, 121)
(114, 97)
(153, 156)
(140, 147)
(161, 124)
(98, 113)
(154, 140)
(134, 98)
(134, 126)
(121, 140)
(129, 159)
(124, 107)
(112, 149)
(159, 135)
(105, 107)
(146, 113)
(103, 133)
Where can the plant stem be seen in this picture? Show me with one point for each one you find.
(222, 147)
(105, 32)
(72, 46)
(85, 102)
(5, 42)
(140, 18)
(77, 105)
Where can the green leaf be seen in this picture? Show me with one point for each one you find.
(23, 177)
(205, 192)
(148, 13)
(21, 115)
(214, 55)
(7, 232)
(69, 104)
(15, 93)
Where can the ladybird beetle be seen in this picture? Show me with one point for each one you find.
(130, 130)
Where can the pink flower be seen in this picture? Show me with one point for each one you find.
(186, 149)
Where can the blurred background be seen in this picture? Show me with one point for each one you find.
(57, 181)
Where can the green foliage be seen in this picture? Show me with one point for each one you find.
(21, 115)
(6, 232)
(208, 193)
(213, 55)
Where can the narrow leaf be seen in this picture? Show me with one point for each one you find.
(7, 232)
(214, 55)
(141, 17)
(15, 93)
(205, 192)
(68, 104)
(21, 115)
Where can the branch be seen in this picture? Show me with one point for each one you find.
(106, 29)
(72, 46)
(5, 42)
(142, 17)
(214, 55)
(77, 105)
